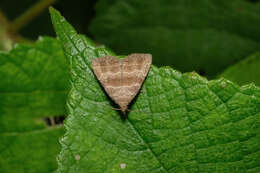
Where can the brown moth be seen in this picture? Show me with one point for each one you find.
(122, 78)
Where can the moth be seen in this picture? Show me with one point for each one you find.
(122, 78)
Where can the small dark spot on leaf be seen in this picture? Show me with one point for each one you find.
(55, 120)
(48, 121)
(59, 119)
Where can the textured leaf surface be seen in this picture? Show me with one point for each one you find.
(245, 72)
(181, 31)
(34, 84)
(178, 122)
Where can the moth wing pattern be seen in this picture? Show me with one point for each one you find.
(122, 78)
(135, 69)
(107, 70)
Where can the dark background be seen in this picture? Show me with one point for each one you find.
(202, 36)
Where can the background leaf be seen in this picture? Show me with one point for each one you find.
(178, 122)
(205, 36)
(245, 72)
(34, 85)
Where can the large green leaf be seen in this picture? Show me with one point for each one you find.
(34, 80)
(34, 85)
(205, 36)
(245, 72)
(31, 151)
(178, 122)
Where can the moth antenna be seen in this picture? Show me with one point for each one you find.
(117, 109)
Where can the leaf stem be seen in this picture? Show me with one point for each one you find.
(29, 15)
(3, 19)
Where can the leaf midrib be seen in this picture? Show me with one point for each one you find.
(147, 144)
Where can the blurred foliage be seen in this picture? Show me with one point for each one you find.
(205, 36)
(80, 14)
(244, 72)
(187, 35)
(30, 152)
(34, 85)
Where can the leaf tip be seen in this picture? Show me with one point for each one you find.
(52, 10)
(54, 13)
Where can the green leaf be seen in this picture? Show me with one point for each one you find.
(178, 122)
(205, 36)
(245, 71)
(34, 85)
(34, 81)
(30, 151)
